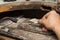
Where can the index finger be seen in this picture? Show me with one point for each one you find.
(46, 15)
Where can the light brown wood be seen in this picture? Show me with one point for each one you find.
(22, 5)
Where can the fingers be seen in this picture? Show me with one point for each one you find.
(46, 15)
(50, 13)
(44, 29)
(42, 21)
(44, 18)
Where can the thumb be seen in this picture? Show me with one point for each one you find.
(42, 21)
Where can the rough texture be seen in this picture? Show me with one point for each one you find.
(25, 29)
(5, 38)
(24, 5)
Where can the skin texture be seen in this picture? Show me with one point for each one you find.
(52, 22)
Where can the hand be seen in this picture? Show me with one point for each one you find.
(50, 20)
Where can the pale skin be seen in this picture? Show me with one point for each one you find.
(52, 22)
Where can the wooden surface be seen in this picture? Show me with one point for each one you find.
(24, 5)
(5, 38)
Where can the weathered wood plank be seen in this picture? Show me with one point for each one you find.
(24, 5)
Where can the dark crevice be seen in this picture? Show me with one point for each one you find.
(32, 13)
(46, 7)
(27, 0)
(9, 0)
